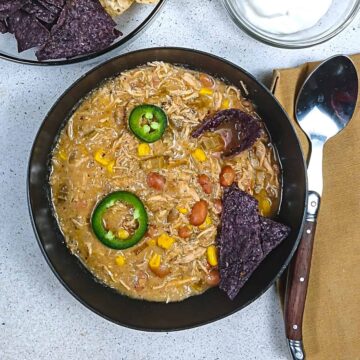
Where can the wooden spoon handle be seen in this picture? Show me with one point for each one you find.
(298, 279)
(296, 289)
(297, 282)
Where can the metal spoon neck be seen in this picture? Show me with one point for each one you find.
(315, 175)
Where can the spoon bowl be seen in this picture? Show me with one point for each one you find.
(327, 99)
(324, 106)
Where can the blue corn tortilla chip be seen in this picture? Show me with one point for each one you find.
(3, 27)
(240, 129)
(58, 3)
(9, 26)
(238, 240)
(8, 7)
(272, 234)
(83, 27)
(52, 8)
(244, 239)
(28, 31)
(40, 12)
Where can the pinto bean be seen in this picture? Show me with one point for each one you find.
(156, 181)
(184, 232)
(213, 278)
(206, 80)
(198, 213)
(161, 271)
(205, 183)
(227, 175)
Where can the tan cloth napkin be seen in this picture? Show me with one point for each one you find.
(332, 314)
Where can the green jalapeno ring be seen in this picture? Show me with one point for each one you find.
(108, 238)
(148, 122)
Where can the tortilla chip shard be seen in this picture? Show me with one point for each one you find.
(83, 27)
(9, 7)
(238, 240)
(272, 234)
(50, 7)
(3, 27)
(58, 3)
(244, 239)
(28, 31)
(40, 12)
(238, 129)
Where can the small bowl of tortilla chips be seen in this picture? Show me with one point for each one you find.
(58, 32)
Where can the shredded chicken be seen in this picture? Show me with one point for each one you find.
(79, 180)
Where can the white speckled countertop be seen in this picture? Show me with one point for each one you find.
(39, 319)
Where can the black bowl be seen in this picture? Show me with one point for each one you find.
(197, 310)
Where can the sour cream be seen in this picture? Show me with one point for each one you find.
(284, 16)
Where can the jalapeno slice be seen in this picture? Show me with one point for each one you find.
(107, 237)
(148, 122)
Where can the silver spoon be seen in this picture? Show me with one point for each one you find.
(324, 106)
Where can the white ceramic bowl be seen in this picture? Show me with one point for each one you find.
(339, 16)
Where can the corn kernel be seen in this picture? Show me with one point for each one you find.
(155, 261)
(225, 104)
(199, 155)
(62, 155)
(110, 166)
(120, 260)
(100, 157)
(123, 234)
(165, 241)
(151, 242)
(202, 226)
(206, 91)
(206, 223)
(265, 206)
(211, 253)
(182, 210)
(144, 149)
(263, 193)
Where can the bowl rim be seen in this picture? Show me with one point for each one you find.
(291, 44)
(82, 58)
(37, 233)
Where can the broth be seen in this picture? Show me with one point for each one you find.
(97, 154)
